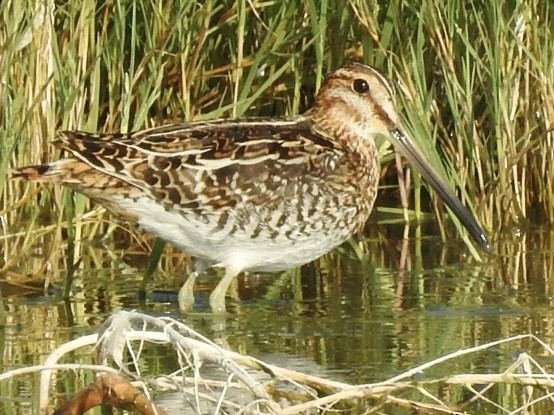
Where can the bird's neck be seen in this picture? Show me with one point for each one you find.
(346, 131)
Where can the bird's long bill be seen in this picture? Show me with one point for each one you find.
(408, 149)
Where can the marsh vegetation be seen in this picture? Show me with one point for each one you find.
(474, 82)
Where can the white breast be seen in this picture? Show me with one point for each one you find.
(231, 250)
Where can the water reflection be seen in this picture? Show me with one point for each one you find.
(364, 313)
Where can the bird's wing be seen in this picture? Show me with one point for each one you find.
(213, 165)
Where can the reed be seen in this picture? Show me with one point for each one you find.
(475, 80)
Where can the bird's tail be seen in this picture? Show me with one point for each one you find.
(58, 171)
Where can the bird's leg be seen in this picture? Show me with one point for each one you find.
(186, 293)
(217, 297)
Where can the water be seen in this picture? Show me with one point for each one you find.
(350, 319)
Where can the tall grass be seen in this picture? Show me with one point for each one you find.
(475, 81)
(479, 77)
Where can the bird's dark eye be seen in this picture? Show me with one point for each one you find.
(360, 86)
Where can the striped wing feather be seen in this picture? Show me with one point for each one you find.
(213, 165)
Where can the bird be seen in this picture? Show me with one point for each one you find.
(251, 194)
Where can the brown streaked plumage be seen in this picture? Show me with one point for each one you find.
(250, 194)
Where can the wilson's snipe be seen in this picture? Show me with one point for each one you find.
(250, 194)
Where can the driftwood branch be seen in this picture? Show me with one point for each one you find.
(110, 390)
